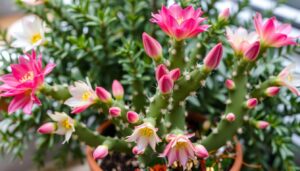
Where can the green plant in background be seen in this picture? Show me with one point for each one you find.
(102, 41)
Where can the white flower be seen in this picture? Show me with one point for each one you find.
(82, 97)
(65, 125)
(290, 77)
(33, 2)
(28, 32)
(144, 135)
(240, 39)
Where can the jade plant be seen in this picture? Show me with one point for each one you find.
(153, 127)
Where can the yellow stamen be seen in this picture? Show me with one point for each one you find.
(27, 77)
(180, 145)
(147, 132)
(290, 77)
(35, 38)
(66, 123)
(86, 96)
(180, 20)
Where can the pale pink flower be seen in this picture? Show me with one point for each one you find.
(290, 77)
(82, 97)
(144, 135)
(224, 14)
(117, 90)
(230, 84)
(262, 124)
(230, 117)
(22, 84)
(180, 23)
(65, 125)
(240, 39)
(34, 2)
(100, 152)
(47, 128)
(180, 149)
(272, 33)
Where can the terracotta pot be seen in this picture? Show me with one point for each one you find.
(94, 166)
(237, 165)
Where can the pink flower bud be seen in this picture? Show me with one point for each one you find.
(160, 71)
(262, 124)
(114, 111)
(100, 152)
(201, 151)
(175, 74)
(136, 151)
(272, 91)
(152, 47)
(132, 117)
(224, 15)
(251, 103)
(47, 128)
(252, 52)
(117, 90)
(103, 95)
(165, 84)
(230, 84)
(214, 56)
(230, 117)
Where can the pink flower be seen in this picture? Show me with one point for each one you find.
(117, 90)
(240, 39)
(166, 78)
(103, 95)
(262, 124)
(114, 111)
(180, 149)
(132, 117)
(252, 52)
(26, 78)
(290, 77)
(251, 103)
(100, 152)
(230, 117)
(180, 23)
(144, 135)
(83, 96)
(272, 91)
(201, 151)
(224, 15)
(230, 84)
(47, 128)
(271, 33)
(214, 56)
(152, 47)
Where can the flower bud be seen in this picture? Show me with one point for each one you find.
(132, 117)
(103, 95)
(224, 15)
(214, 56)
(47, 128)
(201, 151)
(100, 152)
(230, 84)
(152, 47)
(165, 84)
(272, 91)
(252, 52)
(160, 71)
(136, 151)
(251, 103)
(175, 74)
(114, 111)
(117, 90)
(262, 124)
(230, 117)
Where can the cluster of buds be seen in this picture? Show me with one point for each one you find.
(166, 78)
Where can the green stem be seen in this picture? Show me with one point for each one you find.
(260, 91)
(90, 138)
(226, 130)
(57, 92)
(177, 57)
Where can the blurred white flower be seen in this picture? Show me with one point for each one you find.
(28, 32)
(33, 2)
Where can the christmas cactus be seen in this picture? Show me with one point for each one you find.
(148, 102)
